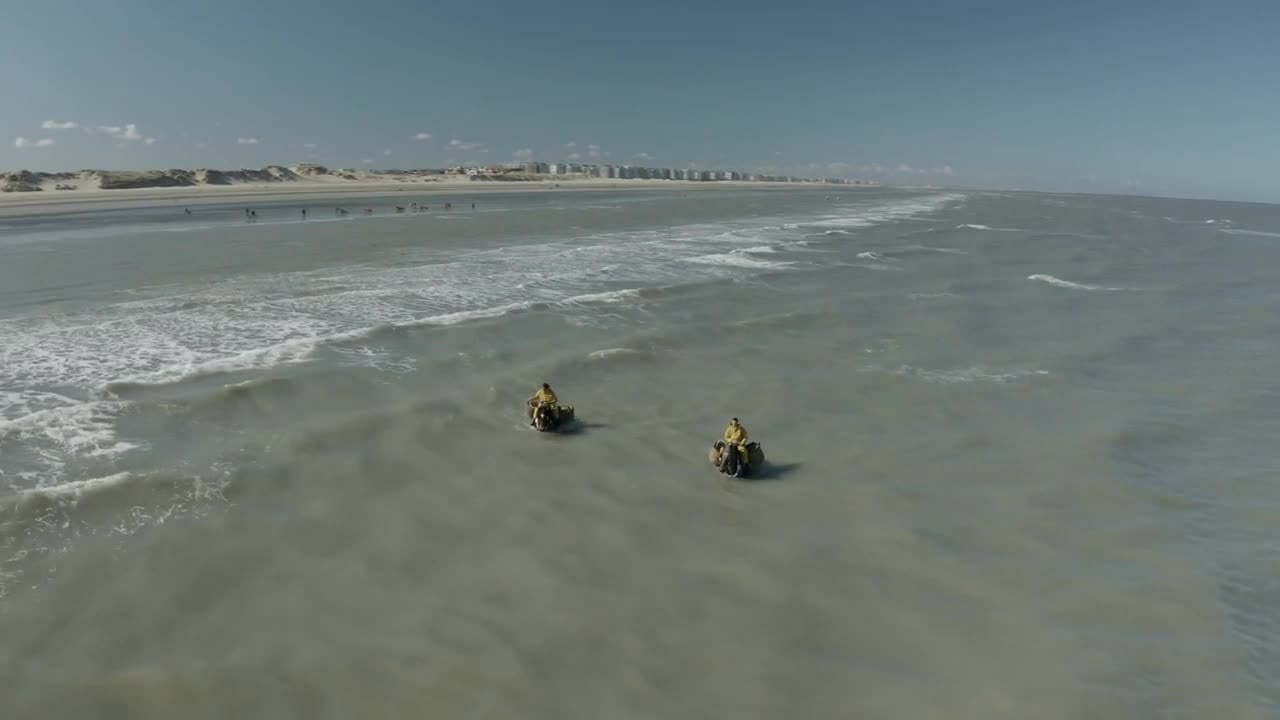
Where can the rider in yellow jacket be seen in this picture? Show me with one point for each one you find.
(546, 395)
(737, 435)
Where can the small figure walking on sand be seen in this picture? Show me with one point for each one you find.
(304, 213)
(473, 206)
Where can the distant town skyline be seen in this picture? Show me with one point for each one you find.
(1088, 96)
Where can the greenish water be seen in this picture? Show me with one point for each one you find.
(1019, 458)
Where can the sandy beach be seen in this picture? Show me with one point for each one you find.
(84, 199)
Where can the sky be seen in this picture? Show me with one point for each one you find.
(1155, 98)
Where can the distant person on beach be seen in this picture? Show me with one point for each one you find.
(304, 213)
(473, 206)
(188, 211)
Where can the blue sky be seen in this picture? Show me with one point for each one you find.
(1168, 98)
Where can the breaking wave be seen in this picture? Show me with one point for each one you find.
(1059, 282)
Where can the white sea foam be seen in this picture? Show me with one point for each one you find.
(975, 226)
(737, 260)
(75, 428)
(1251, 233)
(871, 256)
(612, 352)
(1059, 282)
(171, 333)
(73, 491)
(616, 296)
(969, 375)
(868, 215)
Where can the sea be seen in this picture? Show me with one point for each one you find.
(1020, 452)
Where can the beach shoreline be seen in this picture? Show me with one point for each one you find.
(52, 202)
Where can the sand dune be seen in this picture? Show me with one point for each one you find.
(83, 180)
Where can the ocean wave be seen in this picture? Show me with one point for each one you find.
(731, 259)
(72, 491)
(871, 256)
(1250, 233)
(616, 296)
(1059, 282)
(975, 226)
(174, 333)
(867, 216)
(968, 375)
(44, 438)
(924, 250)
(608, 353)
(54, 516)
(873, 266)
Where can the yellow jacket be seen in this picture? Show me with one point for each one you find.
(547, 396)
(735, 434)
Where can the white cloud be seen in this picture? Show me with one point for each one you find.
(309, 146)
(149, 141)
(575, 156)
(128, 132)
(571, 144)
(25, 143)
(904, 168)
(644, 156)
(593, 150)
(247, 141)
(387, 152)
(55, 125)
(422, 136)
(523, 154)
(462, 145)
(944, 170)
